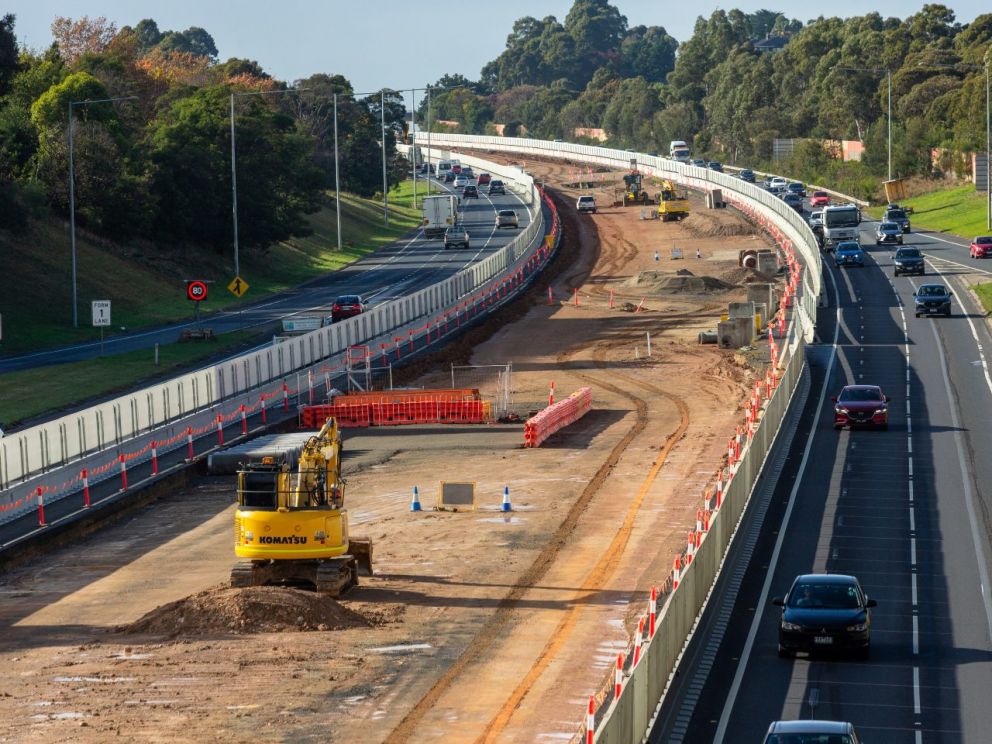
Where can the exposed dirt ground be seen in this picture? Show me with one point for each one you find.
(478, 626)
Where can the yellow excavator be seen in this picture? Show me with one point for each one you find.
(291, 528)
(674, 202)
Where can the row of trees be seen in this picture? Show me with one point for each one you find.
(157, 165)
(717, 89)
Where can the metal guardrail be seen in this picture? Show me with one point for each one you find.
(35, 457)
(641, 685)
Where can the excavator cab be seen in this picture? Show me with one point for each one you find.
(291, 526)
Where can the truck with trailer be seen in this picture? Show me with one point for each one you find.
(440, 213)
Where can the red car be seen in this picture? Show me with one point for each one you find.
(981, 247)
(819, 199)
(861, 405)
(347, 306)
(484, 178)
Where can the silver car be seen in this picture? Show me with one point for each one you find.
(460, 181)
(507, 218)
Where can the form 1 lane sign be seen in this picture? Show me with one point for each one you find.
(101, 312)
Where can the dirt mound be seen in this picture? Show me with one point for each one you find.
(659, 281)
(258, 609)
(718, 223)
(743, 275)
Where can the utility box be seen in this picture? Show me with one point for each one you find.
(767, 263)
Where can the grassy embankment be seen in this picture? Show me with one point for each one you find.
(147, 291)
(960, 211)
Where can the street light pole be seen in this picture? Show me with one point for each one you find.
(385, 197)
(428, 140)
(337, 178)
(413, 140)
(988, 152)
(889, 76)
(72, 197)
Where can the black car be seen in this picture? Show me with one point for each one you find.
(747, 175)
(793, 200)
(828, 612)
(456, 236)
(933, 299)
(796, 188)
(899, 216)
(715, 165)
(470, 192)
(496, 187)
(909, 261)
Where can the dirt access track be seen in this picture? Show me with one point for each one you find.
(478, 626)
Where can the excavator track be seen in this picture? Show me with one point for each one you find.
(336, 576)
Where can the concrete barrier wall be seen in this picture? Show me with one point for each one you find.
(44, 449)
(625, 718)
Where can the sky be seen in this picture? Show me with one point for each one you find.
(399, 45)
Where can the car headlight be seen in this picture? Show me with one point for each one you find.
(841, 410)
(879, 411)
(858, 627)
(791, 626)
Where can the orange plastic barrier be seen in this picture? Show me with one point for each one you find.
(556, 417)
(392, 413)
(408, 396)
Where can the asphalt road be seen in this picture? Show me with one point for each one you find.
(906, 510)
(399, 269)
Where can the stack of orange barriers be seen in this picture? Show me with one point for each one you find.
(556, 417)
(401, 407)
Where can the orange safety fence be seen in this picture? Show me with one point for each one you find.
(407, 396)
(557, 416)
(427, 410)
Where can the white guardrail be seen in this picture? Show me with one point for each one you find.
(33, 456)
(622, 712)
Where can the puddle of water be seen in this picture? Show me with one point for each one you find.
(401, 649)
(503, 520)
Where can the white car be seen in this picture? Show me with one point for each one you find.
(507, 218)
(461, 181)
(586, 203)
(778, 183)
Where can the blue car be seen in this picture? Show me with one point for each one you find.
(849, 253)
(715, 165)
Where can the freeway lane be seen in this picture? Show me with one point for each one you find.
(904, 510)
(398, 269)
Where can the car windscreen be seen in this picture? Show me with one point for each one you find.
(931, 290)
(825, 596)
(809, 739)
(908, 253)
(888, 227)
(349, 300)
(985, 240)
(820, 193)
(860, 395)
(507, 213)
(895, 214)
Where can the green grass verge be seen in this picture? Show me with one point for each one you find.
(146, 284)
(30, 393)
(984, 292)
(961, 211)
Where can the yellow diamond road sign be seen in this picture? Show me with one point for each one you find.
(238, 286)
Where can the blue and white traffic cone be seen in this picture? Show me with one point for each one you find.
(415, 504)
(507, 507)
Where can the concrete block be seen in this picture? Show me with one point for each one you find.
(735, 332)
(763, 293)
(767, 262)
(740, 310)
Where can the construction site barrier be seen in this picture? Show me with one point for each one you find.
(556, 417)
(426, 411)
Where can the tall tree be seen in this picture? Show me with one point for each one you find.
(76, 38)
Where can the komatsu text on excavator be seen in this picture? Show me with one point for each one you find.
(292, 528)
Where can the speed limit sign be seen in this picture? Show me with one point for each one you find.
(196, 291)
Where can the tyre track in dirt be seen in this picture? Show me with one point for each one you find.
(605, 567)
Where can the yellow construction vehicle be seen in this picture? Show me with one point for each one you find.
(633, 192)
(674, 202)
(291, 528)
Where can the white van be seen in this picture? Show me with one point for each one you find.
(443, 167)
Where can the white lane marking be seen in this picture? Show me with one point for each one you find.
(969, 493)
(916, 635)
(914, 591)
(735, 686)
(911, 496)
(912, 520)
(910, 467)
(916, 690)
(909, 444)
(912, 552)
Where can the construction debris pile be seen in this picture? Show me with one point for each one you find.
(258, 609)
